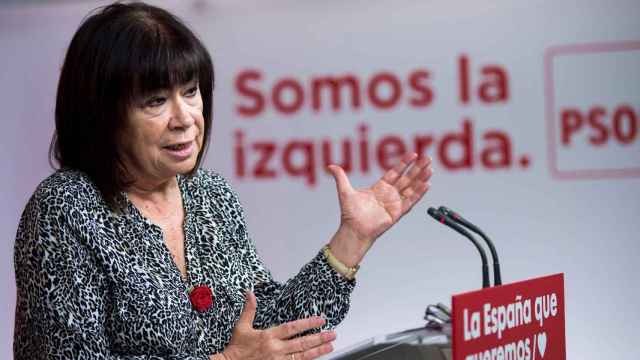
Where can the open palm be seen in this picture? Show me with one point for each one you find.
(371, 211)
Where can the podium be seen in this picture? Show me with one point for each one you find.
(431, 342)
(419, 343)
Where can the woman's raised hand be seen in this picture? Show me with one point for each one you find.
(367, 213)
(248, 343)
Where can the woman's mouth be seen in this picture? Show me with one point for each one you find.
(180, 150)
(177, 147)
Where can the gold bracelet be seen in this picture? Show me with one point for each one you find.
(348, 272)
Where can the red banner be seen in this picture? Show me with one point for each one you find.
(519, 321)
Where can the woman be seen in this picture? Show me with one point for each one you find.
(131, 251)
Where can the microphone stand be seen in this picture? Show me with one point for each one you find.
(497, 279)
(443, 218)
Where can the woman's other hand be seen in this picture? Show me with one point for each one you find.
(248, 343)
(368, 213)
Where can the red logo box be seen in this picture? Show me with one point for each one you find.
(593, 110)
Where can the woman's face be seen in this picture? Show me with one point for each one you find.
(163, 134)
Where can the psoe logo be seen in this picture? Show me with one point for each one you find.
(592, 94)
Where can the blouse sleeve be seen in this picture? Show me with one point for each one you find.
(60, 311)
(317, 289)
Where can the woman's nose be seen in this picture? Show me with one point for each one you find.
(180, 116)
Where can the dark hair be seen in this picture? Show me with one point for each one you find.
(120, 53)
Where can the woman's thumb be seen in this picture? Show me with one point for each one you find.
(249, 310)
(342, 181)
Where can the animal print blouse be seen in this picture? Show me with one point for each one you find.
(95, 284)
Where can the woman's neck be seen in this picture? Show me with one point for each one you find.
(155, 192)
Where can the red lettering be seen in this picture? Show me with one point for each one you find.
(621, 124)
(244, 89)
(495, 84)
(296, 90)
(363, 133)
(334, 84)
(305, 159)
(288, 95)
(423, 95)
(497, 154)
(595, 122)
(395, 90)
(464, 141)
(625, 112)
(307, 167)
(571, 122)
(239, 153)
(389, 150)
(266, 151)
(422, 143)
(463, 78)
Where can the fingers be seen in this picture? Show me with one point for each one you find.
(342, 181)
(315, 352)
(414, 183)
(394, 174)
(311, 346)
(249, 310)
(420, 171)
(295, 327)
(277, 342)
(411, 195)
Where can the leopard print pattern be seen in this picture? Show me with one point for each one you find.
(93, 283)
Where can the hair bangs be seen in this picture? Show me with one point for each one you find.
(165, 61)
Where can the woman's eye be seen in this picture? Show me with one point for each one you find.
(154, 101)
(191, 92)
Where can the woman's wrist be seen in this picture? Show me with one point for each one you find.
(219, 356)
(347, 247)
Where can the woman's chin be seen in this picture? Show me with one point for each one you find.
(185, 168)
(181, 166)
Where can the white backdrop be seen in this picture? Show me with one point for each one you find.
(554, 200)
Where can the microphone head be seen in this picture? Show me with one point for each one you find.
(436, 214)
(450, 213)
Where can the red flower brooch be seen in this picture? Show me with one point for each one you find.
(201, 298)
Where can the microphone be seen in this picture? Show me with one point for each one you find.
(443, 218)
(497, 279)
